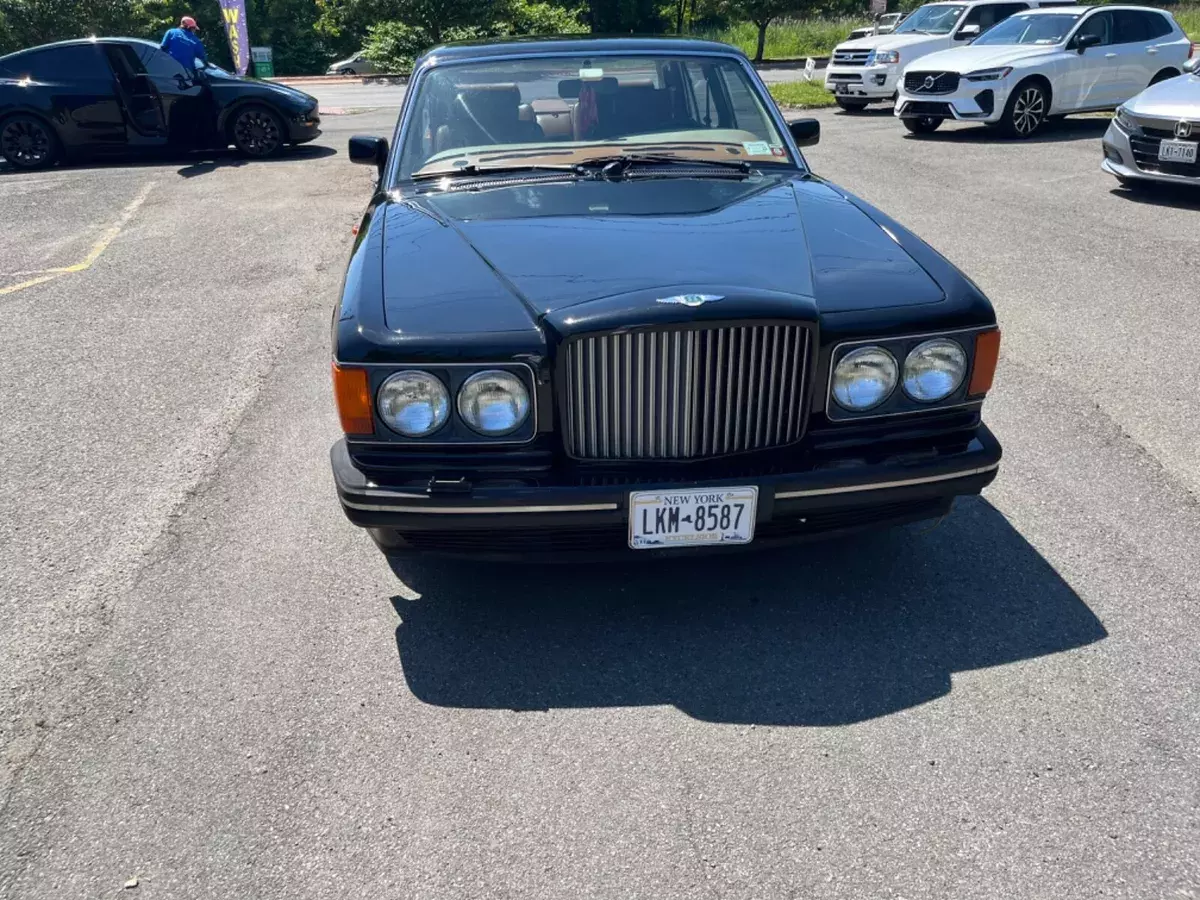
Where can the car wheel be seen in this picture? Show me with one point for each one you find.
(28, 143)
(1027, 110)
(257, 132)
(923, 124)
(851, 105)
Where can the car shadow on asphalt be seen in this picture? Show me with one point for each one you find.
(826, 634)
(1064, 131)
(1152, 193)
(194, 163)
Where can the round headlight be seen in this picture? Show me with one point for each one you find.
(494, 402)
(934, 370)
(415, 404)
(864, 378)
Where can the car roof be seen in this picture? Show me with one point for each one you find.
(77, 41)
(571, 45)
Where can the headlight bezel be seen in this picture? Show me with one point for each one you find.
(455, 431)
(492, 373)
(996, 73)
(888, 359)
(884, 58)
(414, 375)
(951, 344)
(1124, 119)
(899, 403)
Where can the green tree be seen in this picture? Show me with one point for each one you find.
(761, 13)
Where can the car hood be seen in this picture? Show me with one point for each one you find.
(972, 59)
(228, 81)
(622, 246)
(1175, 98)
(894, 42)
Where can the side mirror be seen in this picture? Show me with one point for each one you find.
(1192, 66)
(805, 132)
(1086, 40)
(967, 33)
(369, 151)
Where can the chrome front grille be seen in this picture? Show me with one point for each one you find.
(850, 57)
(684, 394)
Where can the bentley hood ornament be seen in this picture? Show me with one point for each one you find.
(692, 300)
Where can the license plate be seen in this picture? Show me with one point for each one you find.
(691, 518)
(1177, 151)
(841, 88)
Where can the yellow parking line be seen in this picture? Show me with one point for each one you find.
(109, 235)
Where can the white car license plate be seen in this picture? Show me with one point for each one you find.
(691, 518)
(1177, 151)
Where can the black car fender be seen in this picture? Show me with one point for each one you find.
(227, 114)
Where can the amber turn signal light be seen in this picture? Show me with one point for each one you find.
(352, 394)
(987, 354)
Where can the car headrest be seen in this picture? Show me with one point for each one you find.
(569, 88)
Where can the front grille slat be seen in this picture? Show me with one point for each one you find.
(942, 82)
(684, 393)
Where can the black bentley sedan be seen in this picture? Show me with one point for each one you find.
(116, 96)
(600, 303)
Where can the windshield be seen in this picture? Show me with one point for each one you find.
(1051, 28)
(937, 18)
(567, 110)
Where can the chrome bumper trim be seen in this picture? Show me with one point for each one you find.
(883, 485)
(473, 510)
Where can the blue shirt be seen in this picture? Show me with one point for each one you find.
(184, 47)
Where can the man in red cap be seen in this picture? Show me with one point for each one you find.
(184, 44)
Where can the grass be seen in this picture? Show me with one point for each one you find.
(804, 94)
(1188, 18)
(789, 38)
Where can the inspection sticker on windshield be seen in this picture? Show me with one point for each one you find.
(693, 517)
(591, 74)
(757, 148)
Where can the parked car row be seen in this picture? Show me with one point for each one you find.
(1015, 66)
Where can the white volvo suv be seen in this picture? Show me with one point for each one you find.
(867, 70)
(1044, 63)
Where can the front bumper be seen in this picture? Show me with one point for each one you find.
(304, 127)
(871, 83)
(982, 101)
(1121, 161)
(578, 519)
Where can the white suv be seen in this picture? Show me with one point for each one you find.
(867, 70)
(1044, 63)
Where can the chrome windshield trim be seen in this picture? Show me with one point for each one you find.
(884, 485)
(770, 107)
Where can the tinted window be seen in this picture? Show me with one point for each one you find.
(71, 63)
(1100, 25)
(163, 65)
(1129, 27)
(1156, 26)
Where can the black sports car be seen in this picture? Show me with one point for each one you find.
(114, 96)
(599, 302)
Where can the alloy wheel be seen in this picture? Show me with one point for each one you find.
(1029, 111)
(26, 143)
(256, 132)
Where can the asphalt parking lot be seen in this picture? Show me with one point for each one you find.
(214, 685)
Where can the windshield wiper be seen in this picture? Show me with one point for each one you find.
(617, 165)
(474, 169)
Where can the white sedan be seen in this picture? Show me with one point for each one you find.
(1044, 63)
